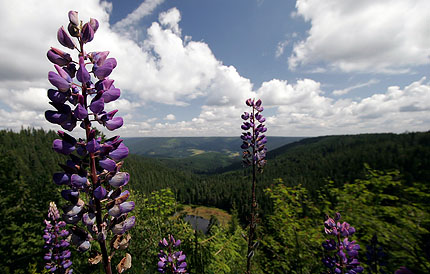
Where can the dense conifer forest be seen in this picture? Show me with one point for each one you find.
(379, 183)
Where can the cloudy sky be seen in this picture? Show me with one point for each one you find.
(186, 67)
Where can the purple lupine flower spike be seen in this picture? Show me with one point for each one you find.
(93, 168)
(252, 138)
(55, 237)
(341, 254)
(171, 261)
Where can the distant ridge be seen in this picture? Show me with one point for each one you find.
(201, 155)
(161, 147)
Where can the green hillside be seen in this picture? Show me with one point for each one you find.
(28, 162)
(181, 147)
(312, 162)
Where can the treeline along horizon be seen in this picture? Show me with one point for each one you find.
(310, 162)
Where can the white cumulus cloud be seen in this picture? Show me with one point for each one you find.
(385, 36)
(170, 117)
(171, 69)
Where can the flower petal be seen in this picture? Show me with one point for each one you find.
(58, 81)
(120, 153)
(62, 147)
(115, 123)
(120, 179)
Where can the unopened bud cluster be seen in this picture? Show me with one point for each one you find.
(253, 138)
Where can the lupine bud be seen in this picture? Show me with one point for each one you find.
(104, 70)
(58, 57)
(87, 33)
(111, 94)
(100, 192)
(56, 117)
(63, 73)
(65, 39)
(92, 146)
(78, 181)
(94, 24)
(120, 153)
(80, 112)
(73, 30)
(82, 74)
(70, 195)
(123, 227)
(89, 219)
(73, 17)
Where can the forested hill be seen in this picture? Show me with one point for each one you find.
(182, 147)
(341, 158)
(312, 162)
(28, 162)
(200, 155)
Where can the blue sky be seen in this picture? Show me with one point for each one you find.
(186, 67)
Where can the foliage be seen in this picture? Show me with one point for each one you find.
(396, 211)
(291, 235)
(152, 212)
(26, 165)
(225, 251)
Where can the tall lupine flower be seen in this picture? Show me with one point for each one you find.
(341, 254)
(254, 155)
(93, 173)
(171, 261)
(56, 243)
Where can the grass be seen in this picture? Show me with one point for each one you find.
(196, 151)
(206, 212)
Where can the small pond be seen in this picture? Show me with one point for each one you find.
(197, 223)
